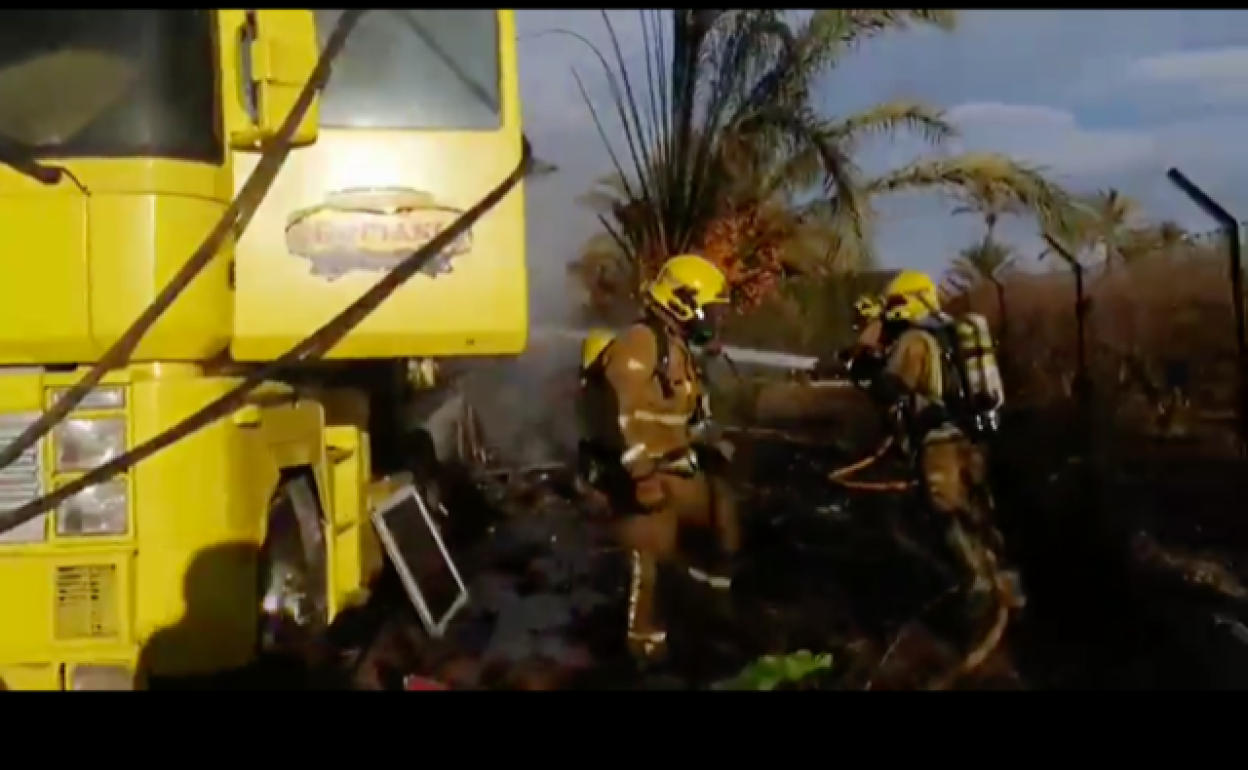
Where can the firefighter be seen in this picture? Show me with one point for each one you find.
(649, 419)
(596, 341)
(916, 379)
(867, 308)
(595, 457)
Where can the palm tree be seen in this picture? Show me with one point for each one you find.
(990, 202)
(985, 261)
(1109, 224)
(611, 281)
(1169, 235)
(724, 147)
(1162, 239)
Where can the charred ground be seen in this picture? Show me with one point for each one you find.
(1123, 516)
(1123, 593)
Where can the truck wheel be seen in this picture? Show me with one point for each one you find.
(293, 572)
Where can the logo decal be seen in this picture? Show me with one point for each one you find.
(372, 230)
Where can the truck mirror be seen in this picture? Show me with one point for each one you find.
(269, 55)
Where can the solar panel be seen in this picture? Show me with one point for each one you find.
(425, 567)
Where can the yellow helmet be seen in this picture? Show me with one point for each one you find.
(686, 285)
(910, 296)
(596, 341)
(868, 307)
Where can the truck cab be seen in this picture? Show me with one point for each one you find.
(125, 136)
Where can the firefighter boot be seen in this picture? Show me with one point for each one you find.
(717, 570)
(716, 573)
(716, 578)
(647, 640)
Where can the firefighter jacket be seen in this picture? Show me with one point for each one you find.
(653, 397)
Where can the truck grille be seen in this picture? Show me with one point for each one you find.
(22, 481)
(86, 602)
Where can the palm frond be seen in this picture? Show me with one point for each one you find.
(1025, 186)
(988, 201)
(984, 260)
(829, 34)
(891, 118)
(720, 146)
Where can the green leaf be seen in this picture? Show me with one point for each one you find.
(770, 671)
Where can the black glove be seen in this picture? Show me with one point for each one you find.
(707, 432)
(831, 366)
(864, 366)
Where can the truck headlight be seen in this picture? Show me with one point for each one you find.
(98, 510)
(102, 398)
(98, 678)
(84, 443)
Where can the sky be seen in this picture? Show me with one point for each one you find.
(1098, 98)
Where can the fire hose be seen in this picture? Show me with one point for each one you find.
(988, 643)
(235, 219)
(841, 476)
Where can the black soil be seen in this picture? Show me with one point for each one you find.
(861, 575)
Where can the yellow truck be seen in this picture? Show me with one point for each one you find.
(182, 475)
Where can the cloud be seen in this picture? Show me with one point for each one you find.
(1049, 137)
(1218, 75)
(1133, 159)
(920, 231)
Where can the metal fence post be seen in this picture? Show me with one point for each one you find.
(1082, 385)
(1230, 230)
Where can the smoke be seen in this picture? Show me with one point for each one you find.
(523, 408)
(526, 406)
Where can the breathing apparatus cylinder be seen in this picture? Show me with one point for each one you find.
(985, 390)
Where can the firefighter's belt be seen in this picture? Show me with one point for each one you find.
(946, 431)
(943, 433)
(679, 462)
(660, 418)
(930, 419)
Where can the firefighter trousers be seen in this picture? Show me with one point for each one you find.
(697, 501)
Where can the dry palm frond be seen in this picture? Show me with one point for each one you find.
(1027, 186)
(891, 117)
(989, 202)
(837, 31)
(1111, 218)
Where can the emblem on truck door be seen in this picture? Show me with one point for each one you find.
(372, 230)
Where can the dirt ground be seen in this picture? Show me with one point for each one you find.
(1132, 579)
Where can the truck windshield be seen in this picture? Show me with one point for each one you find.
(405, 69)
(110, 84)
